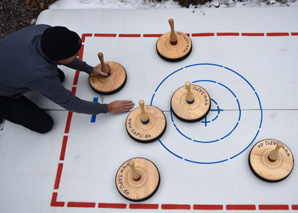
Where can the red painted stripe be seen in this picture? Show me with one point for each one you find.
(253, 34)
(143, 206)
(188, 34)
(227, 34)
(208, 207)
(175, 206)
(241, 207)
(104, 35)
(202, 34)
(74, 90)
(76, 78)
(54, 202)
(68, 122)
(63, 149)
(295, 207)
(277, 34)
(58, 176)
(81, 204)
(86, 35)
(112, 205)
(129, 35)
(294, 34)
(273, 207)
(81, 52)
(152, 35)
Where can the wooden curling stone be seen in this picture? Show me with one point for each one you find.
(145, 123)
(137, 179)
(112, 83)
(271, 160)
(190, 103)
(174, 45)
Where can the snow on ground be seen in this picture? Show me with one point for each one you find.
(150, 4)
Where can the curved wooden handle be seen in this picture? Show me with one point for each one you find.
(104, 67)
(144, 115)
(189, 95)
(273, 155)
(173, 36)
(136, 176)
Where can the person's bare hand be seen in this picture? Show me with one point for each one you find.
(120, 106)
(97, 70)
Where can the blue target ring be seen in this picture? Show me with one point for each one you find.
(231, 157)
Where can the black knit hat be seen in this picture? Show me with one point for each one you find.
(59, 43)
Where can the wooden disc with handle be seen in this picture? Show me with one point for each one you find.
(145, 123)
(137, 179)
(112, 83)
(173, 45)
(190, 103)
(271, 160)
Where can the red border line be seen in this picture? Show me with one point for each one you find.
(112, 205)
(63, 148)
(129, 35)
(76, 78)
(176, 206)
(81, 204)
(207, 207)
(273, 207)
(74, 90)
(58, 176)
(68, 122)
(105, 35)
(143, 206)
(54, 201)
(240, 207)
(151, 35)
(86, 35)
(202, 34)
(253, 34)
(278, 34)
(228, 34)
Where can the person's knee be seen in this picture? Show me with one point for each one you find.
(46, 126)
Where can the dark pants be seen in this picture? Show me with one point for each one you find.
(24, 112)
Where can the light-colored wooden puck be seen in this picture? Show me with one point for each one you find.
(271, 160)
(146, 126)
(137, 179)
(174, 45)
(111, 84)
(187, 110)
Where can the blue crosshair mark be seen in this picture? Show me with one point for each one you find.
(218, 110)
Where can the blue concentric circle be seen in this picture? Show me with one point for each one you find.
(229, 133)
